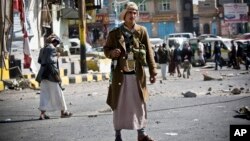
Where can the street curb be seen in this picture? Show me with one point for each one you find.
(66, 80)
(1, 86)
(76, 79)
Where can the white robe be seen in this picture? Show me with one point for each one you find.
(51, 97)
(131, 110)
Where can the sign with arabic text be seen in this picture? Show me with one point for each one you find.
(235, 12)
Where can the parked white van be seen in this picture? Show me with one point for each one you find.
(184, 34)
(225, 44)
(156, 41)
(180, 40)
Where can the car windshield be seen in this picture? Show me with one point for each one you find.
(186, 35)
(226, 43)
(156, 41)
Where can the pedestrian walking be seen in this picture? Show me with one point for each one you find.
(187, 59)
(200, 53)
(129, 46)
(247, 58)
(233, 56)
(156, 56)
(163, 53)
(177, 57)
(51, 95)
(240, 53)
(207, 50)
(171, 67)
(217, 55)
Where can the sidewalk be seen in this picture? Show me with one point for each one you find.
(69, 70)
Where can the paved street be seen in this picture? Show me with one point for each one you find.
(206, 117)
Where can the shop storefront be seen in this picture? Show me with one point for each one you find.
(163, 25)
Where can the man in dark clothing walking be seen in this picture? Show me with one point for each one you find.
(217, 55)
(163, 53)
(232, 56)
(177, 58)
(187, 58)
(247, 58)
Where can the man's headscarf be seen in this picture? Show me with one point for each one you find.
(130, 6)
(53, 37)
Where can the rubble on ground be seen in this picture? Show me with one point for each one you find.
(189, 94)
(236, 91)
(19, 84)
(244, 112)
(208, 78)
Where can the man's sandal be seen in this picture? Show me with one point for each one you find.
(43, 116)
(66, 115)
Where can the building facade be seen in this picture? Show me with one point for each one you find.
(210, 19)
(160, 17)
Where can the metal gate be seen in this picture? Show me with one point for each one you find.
(149, 28)
(214, 28)
(165, 28)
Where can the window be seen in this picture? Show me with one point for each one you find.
(164, 5)
(142, 7)
(73, 28)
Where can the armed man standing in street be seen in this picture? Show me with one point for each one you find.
(129, 48)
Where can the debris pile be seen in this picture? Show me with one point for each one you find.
(208, 78)
(244, 112)
(236, 91)
(189, 94)
(19, 84)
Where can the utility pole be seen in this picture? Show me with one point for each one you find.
(1, 28)
(82, 35)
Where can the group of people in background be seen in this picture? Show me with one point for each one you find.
(239, 55)
(171, 58)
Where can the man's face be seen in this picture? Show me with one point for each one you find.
(131, 16)
(55, 43)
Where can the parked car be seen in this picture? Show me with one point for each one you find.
(97, 51)
(156, 41)
(244, 43)
(184, 34)
(204, 36)
(225, 44)
(172, 40)
(245, 36)
(75, 46)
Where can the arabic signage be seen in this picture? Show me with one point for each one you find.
(167, 17)
(235, 12)
(144, 17)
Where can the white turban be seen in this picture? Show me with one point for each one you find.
(130, 6)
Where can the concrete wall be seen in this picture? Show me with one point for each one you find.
(60, 26)
(34, 8)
